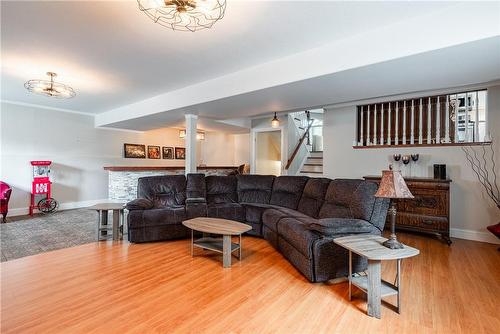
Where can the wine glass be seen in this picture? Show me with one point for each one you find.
(397, 157)
(406, 160)
(415, 157)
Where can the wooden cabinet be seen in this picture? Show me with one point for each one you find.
(429, 211)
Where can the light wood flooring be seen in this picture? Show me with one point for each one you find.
(158, 288)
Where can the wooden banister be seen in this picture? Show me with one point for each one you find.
(296, 150)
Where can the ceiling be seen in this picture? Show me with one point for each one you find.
(113, 55)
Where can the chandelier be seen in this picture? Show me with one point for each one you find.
(184, 15)
(50, 87)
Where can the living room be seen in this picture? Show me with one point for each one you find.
(219, 166)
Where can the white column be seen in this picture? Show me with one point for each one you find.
(191, 124)
(476, 122)
(361, 124)
(447, 120)
(429, 121)
(438, 121)
(389, 125)
(412, 123)
(396, 128)
(381, 124)
(420, 123)
(375, 126)
(368, 127)
(404, 123)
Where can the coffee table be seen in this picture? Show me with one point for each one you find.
(102, 220)
(371, 248)
(225, 227)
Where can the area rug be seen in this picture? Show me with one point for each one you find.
(24, 236)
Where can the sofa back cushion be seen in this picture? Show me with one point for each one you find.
(255, 188)
(221, 189)
(164, 191)
(287, 191)
(195, 186)
(348, 198)
(313, 196)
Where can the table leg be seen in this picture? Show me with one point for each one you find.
(116, 224)
(374, 283)
(104, 222)
(98, 225)
(399, 285)
(226, 251)
(192, 243)
(122, 224)
(350, 275)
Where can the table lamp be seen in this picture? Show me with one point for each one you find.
(393, 186)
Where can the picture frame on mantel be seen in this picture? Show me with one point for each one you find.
(180, 153)
(167, 152)
(154, 152)
(134, 151)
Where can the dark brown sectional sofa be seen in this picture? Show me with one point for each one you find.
(297, 215)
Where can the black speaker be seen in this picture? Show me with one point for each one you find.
(440, 172)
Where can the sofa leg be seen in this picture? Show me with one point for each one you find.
(4, 217)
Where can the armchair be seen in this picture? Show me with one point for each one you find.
(5, 191)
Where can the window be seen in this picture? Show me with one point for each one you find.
(432, 120)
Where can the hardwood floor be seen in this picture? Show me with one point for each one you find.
(142, 288)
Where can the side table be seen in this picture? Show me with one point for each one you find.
(371, 248)
(102, 220)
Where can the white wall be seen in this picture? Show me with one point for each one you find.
(242, 149)
(79, 152)
(268, 153)
(471, 209)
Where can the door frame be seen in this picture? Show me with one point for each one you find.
(253, 147)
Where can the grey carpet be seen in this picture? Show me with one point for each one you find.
(24, 236)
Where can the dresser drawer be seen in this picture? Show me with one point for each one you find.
(420, 222)
(426, 202)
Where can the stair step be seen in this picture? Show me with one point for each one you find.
(309, 164)
(304, 172)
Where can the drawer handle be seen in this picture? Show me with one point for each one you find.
(428, 222)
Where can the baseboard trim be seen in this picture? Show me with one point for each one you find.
(62, 206)
(474, 235)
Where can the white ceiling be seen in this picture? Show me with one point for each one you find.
(113, 55)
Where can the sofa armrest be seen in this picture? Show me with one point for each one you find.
(139, 204)
(344, 226)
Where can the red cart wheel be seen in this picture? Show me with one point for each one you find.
(47, 205)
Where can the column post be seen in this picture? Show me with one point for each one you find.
(191, 124)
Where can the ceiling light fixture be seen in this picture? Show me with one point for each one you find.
(199, 134)
(50, 88)
(184, 15)
(275, 123)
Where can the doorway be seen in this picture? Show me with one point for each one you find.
(268, 152)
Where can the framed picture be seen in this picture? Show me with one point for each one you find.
(168, 152)
(153, 152)
(180, 153)
(134, 151)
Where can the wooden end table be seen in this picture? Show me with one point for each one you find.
(225, 227)
(371, 248)
(102, 220)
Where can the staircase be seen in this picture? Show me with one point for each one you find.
(313, 166)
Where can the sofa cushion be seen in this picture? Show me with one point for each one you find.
(156, 217)
(164, 191)
(349, 199)
(221, 189)
(313, 196)
(287, 191)
(297, 234)
(271, 217)
(254, 211)
(344, 226)
(195, 186)
(255, 188)
(232, 211)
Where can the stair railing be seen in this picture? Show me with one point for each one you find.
(301, 140)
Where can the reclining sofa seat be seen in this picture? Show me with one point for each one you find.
(299, 216)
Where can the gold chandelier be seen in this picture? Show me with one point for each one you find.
(184, 15)
(50, 88)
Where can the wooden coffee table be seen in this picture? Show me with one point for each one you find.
(225, 227)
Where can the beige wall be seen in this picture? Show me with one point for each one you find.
(79, 152)
(268, 153)
(471, 209)
(242, 149)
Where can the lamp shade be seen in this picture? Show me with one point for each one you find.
(393, 185)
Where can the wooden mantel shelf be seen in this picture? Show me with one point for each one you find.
(150, 168)
(410, 179)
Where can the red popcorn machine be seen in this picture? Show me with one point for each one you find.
(41, 185)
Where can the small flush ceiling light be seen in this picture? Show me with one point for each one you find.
(184, 15)
(50, 88)
(275, 123)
